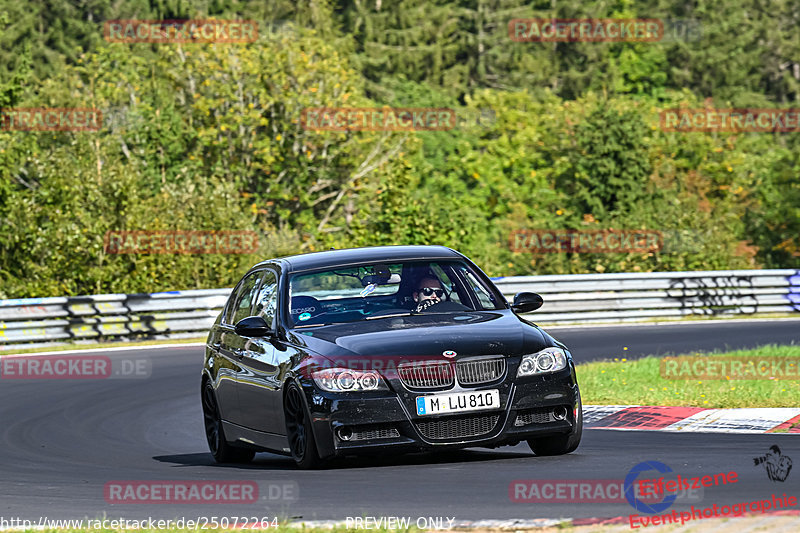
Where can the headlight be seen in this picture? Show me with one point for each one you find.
(347, 380)
(544, 362)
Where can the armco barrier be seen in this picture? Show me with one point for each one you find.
(587, 298)
(45, 321)
(583, 298)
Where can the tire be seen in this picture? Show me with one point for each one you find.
(560, 444)
(215, 435)
(302, 443)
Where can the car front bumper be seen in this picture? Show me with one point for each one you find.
(360, 423)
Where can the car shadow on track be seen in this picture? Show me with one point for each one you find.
(275, 462)
(426, 458)
(269, 461)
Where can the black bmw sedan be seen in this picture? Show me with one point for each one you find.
(395, 348)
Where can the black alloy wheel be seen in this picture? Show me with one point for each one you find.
(298, 430)
(220, 449)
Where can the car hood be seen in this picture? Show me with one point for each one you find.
(467, 333)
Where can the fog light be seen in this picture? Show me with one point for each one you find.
(560, 413)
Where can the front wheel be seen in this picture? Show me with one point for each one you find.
(220, 449)
(560, 444)
(298, 429)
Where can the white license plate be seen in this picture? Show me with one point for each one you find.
(458, 402)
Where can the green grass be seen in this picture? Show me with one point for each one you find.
(639, 382)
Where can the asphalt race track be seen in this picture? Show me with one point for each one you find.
(634, 341)
(63, 440)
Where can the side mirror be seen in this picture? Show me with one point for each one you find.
(252, 326)
(525, 302)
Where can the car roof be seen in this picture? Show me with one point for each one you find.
(354, 256)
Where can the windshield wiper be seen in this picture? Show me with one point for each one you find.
(407, 313)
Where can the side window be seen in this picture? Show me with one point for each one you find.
(447, 281)
(227, 311)
(244, 298)
(267, 300)
(481, 293)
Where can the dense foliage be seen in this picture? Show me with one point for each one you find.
(550, 135)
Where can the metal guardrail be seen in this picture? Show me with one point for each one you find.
(587, 298)
(583, 298)
(45, 321)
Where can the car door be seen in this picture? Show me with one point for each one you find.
(259, 386)
(232, 346)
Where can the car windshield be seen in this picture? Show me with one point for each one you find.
(381, 290)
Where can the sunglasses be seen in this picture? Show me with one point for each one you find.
(427, 291)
